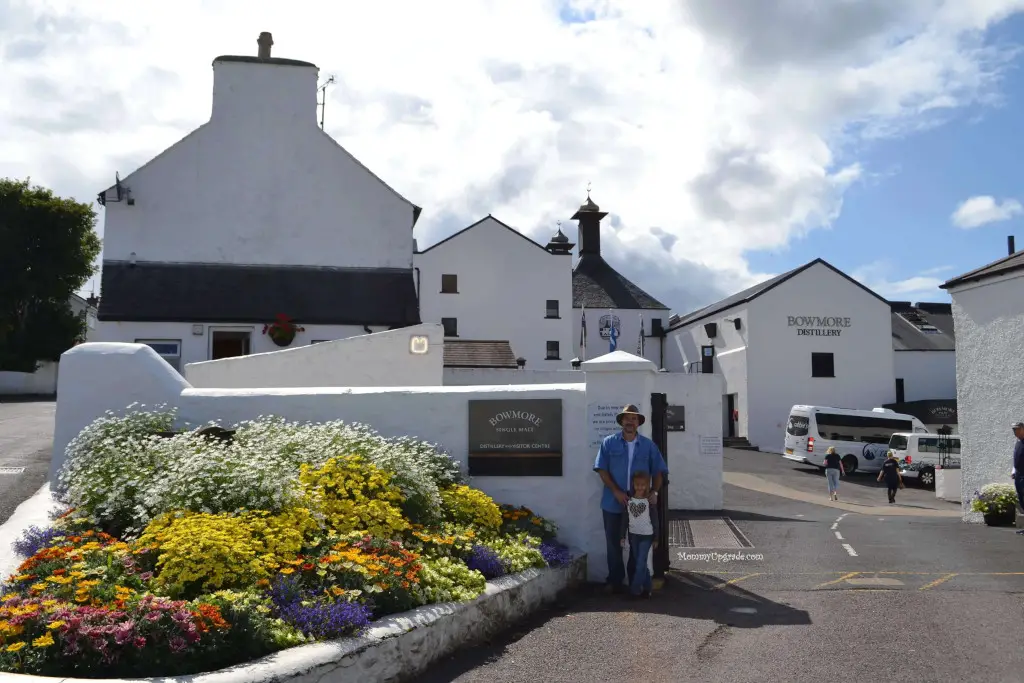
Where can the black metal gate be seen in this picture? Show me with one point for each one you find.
(659, 434)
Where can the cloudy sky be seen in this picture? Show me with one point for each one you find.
(730, 140)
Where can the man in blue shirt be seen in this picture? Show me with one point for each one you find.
(1018, 465)
(620, 455)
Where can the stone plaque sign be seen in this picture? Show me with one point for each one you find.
(515, 437)
(711, 445)
(601, 422)
(675, 418)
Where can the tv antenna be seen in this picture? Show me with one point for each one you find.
(323, 104)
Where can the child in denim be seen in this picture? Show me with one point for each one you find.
(640, 527)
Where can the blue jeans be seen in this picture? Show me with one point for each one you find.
(832, 474)
(639, 549)
(613, 545)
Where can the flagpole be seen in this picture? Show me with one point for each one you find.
(583, 334)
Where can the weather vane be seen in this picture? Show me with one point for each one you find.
(588, 190)
(559, 225)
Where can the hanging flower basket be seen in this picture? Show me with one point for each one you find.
(282, 330)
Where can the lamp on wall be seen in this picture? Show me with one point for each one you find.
(419, 345)
(711, 329)
(576, 363)
(521, 362)
(736, 322)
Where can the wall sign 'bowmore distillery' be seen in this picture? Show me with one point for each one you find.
(515, 437)
(818, 326)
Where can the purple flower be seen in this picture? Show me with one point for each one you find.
(318, 618)
(555, 554)
(486, 561)
(35, 539)
(177, 644)
(146, 576)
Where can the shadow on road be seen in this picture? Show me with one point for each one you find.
(675, 599)
(734, 515)
(866, 480)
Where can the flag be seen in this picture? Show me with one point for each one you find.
(583, 335)
(640, 341)
(613, 337)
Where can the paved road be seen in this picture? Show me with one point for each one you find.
(26, 440)
(917, 599)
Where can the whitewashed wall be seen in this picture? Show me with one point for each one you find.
(989, 321)
(926, 374)
(779, 361)
(383, 359)
(41, 382)
(504, 282)
(304, 199)
(461, 377)
(695, 474)
(196, 348)
(683, 354)
(629, 324)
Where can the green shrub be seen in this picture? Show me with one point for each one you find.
(444, 579)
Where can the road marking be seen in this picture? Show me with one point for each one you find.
(839, 536)
(834, 525)
(936, 582)
(11, 470)
(733, 582)
(850, 550)
(744, 610)
(842, 578)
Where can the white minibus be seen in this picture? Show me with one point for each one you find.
(861, 437)
(921, 454)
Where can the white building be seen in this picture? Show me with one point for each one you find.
(500, 296)
(607, 300)
(255, 214)
(810, 336)
(988, 309)
(924, 361)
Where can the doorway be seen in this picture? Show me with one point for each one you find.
(730, 415)
(661, 560)
(707, 360)
(229, 343)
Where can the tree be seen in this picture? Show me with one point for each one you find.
(48, 247)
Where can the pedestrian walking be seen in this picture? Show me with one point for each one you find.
(891, 473)
(833, 468)
(1018, 466)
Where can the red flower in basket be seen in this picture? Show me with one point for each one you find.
(282, 330)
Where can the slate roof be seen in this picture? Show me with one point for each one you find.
(595, 284)
(474, 353)
(907, 333)
(757, 290)
(1007, 264)
(223, 293)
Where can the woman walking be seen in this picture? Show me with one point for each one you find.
(833, 468)
(891, 473)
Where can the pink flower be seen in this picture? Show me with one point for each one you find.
(177, 644)
(153, 616)
(146, 576)
(139, 642)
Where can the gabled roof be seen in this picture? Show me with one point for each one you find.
(226, 293)
(757, 290)
(922, 327)
(481, 222)
(1003, 266)
(595, 284)
(475, 353)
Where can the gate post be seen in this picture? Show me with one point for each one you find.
(659, 435)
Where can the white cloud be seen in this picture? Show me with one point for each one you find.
(982, 210)
(709, 129)
(896, 283)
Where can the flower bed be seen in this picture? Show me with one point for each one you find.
(187, 553)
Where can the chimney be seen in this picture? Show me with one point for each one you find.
(265, 42)
(1009, 246)
(589, 217)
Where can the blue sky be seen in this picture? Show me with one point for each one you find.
(901, 217)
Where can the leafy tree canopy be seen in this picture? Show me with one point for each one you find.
(48, 247)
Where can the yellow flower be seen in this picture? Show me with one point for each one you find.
(38, 586)
(43, 641)
(55, 624)
(287, 570)
(14, 647)
(49, 603)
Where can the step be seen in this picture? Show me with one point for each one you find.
(739, 443)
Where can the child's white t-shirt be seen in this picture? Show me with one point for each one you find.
(639, 513)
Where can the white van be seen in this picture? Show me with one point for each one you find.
(861, 437)
(921, 454)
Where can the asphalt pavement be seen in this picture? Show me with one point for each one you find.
(800, 591)
(26, 442)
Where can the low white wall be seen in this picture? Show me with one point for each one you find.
(381, 359)
(96, 378)
(462, 377)
(695, 471)
(41, 382)
(947, 484)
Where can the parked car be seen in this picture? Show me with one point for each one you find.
(921, 454)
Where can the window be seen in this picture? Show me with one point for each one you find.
(824, 365)
(898, 442)
(449, 284)
(229, 343)
(451, 327)
(797, 425)
(552, 309)
(900, 392)
(860, 429)
(656, 326)
(168, 349)
(552, 350)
